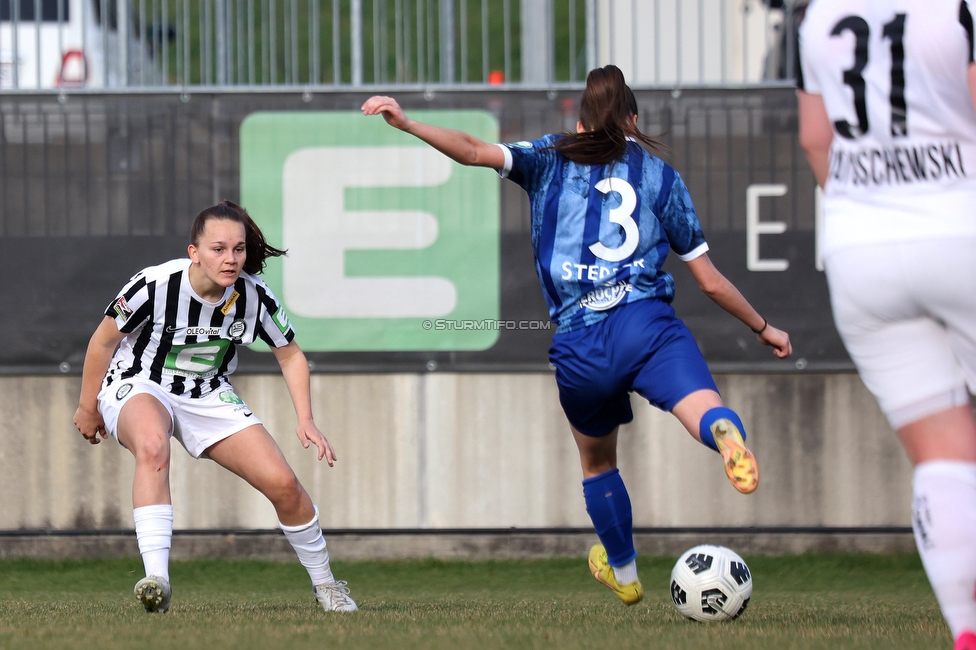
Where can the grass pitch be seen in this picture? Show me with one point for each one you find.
(805, 601)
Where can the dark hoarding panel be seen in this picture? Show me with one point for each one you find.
(96, 187)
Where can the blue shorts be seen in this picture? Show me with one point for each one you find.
(640, 346)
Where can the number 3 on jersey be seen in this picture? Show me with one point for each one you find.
(895, 32)
(622, 215)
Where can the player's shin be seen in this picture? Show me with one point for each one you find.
(944, 521)
(608, 505)
(309, 543)
(154, 533)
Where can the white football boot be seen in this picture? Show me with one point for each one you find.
(334, 597)
(154, 592)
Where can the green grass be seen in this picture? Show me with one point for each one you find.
(805, 601)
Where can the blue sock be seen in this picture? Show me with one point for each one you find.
(717, 413)
(608, 505)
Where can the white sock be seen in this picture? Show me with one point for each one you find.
(944, 521)
(309, 543)
(627, 573)
(154, 532)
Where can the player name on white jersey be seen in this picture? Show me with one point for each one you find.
(897, 165)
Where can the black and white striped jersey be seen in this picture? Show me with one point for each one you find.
(183, 342)
(893, 78)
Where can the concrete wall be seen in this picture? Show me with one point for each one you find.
(474, 450)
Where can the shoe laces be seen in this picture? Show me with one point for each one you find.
(337, 592)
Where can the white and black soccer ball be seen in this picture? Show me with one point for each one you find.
(711, 583)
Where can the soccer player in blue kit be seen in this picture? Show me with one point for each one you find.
(604, 214)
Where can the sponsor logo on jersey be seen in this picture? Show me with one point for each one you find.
(123, 390)
(196, 360)
(605, 297)
(200, 331)
(281, 320)
(522, 144)
(172, 329)
(230, 303)
(237, 329)
(229, 397)
(122, 308)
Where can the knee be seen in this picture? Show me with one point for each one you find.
(285, 489)
(153, 449)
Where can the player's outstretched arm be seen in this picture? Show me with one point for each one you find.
(456, 145)
(724, 294)
(101, 347)
(294, 369)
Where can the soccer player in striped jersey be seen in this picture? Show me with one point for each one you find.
(604, 214)
(887, 91)
(157, 366)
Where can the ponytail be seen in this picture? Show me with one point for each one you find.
(258, 249)
(607, 110)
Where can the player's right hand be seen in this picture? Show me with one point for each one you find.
(389, 109)
(90, 424)
(776, 339)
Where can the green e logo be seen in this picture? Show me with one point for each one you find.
(196, 359)
(382, 231)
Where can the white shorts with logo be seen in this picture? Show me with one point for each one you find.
(907, 315)
(197, 423)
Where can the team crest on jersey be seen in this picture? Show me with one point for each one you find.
(604, 297)
(237, 329)
(123, 390)
(122, 308)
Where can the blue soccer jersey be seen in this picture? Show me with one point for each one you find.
(602, 232)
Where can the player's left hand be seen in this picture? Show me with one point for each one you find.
(778, 340)
(309, 434)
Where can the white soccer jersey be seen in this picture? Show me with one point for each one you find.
(892, 74)
(183, 342)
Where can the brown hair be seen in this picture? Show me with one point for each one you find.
(258, 249)
(607, 110)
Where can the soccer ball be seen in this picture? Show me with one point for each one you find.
(710, 583)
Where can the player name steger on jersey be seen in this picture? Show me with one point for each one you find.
(897, 165)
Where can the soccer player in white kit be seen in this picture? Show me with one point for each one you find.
(887, 91)
(157, 367)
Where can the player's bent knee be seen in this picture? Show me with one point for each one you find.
(285, 490)
(154, 453)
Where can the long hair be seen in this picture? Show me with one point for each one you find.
(607, 110)
(258, 248)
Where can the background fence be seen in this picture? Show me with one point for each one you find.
(139, 43)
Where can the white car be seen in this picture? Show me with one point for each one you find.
(66, 46)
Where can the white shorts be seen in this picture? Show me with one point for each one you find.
(907, 315)
(197, 423)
